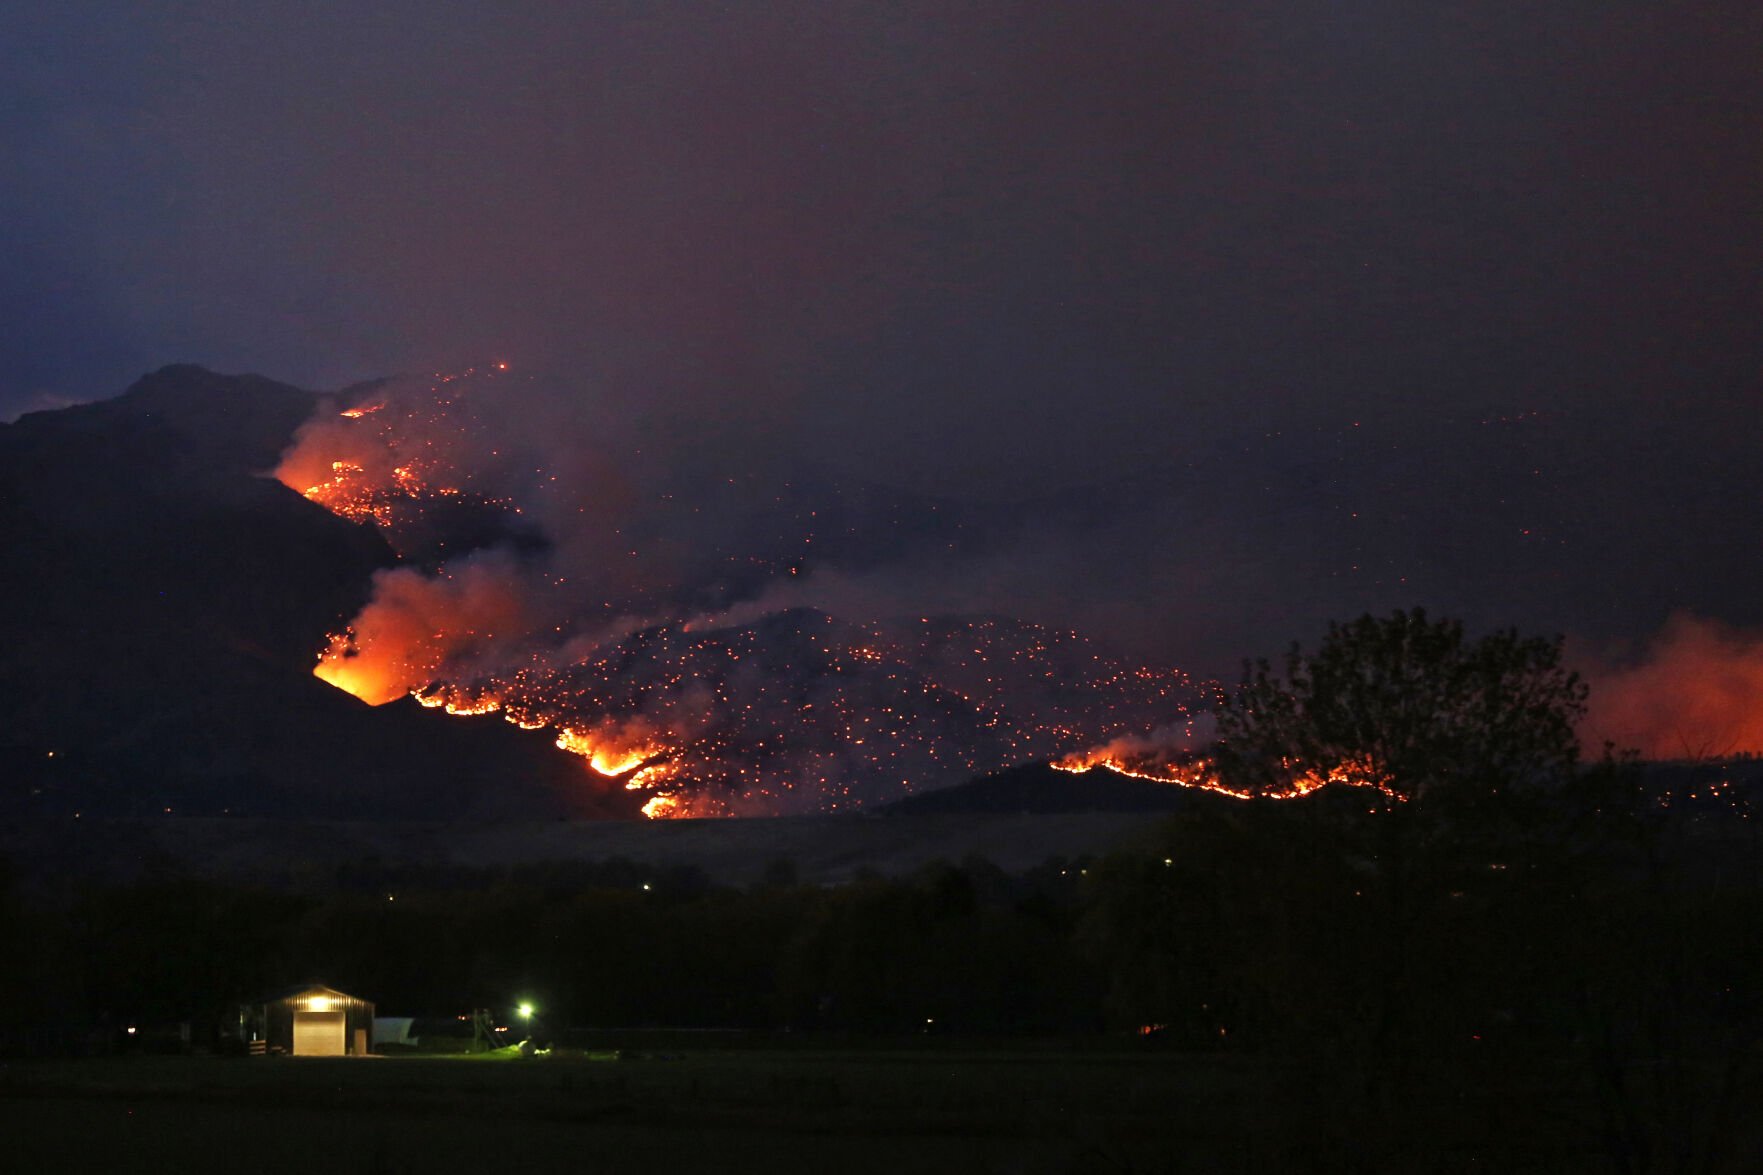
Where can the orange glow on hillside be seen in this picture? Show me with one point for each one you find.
(417, 626)
(383, 462)
(639, 763)
(343, 666)
(1201, 773)
(457, 702)
(603, 754)
(350, 493)
(1697, 693)
(684, 711)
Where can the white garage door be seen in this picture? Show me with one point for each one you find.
(318, 1034)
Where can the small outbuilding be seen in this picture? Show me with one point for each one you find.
(309, 1021)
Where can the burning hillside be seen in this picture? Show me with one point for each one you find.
(670, 622)
(702, 639)
(678, 662)
(802, 712)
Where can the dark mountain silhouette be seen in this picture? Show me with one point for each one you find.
(160, 608)
(164, 601)
(1041, 789)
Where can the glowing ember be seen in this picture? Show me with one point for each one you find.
(387, 462)
(350, 494)
(408, 480)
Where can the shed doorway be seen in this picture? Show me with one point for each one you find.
(319, 1034)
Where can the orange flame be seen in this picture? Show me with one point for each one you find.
(1201, 773)
(637, 761)
(663, 807)
(343, 666)
(650, 776)
(605, 754)
(417, 627)
(456, 701)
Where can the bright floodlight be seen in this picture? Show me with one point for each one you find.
(526, 1011)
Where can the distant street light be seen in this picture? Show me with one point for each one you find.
(526, 1011)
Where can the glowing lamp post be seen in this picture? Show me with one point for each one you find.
(525, 1011)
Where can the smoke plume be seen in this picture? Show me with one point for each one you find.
(1696, 692)
(417, 629)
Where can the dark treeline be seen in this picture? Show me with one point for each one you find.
(612, 945)
(1590, 942)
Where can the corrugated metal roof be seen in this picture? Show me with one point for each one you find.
(307, 990)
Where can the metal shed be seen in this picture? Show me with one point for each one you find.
(312, 1021)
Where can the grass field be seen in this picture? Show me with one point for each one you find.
(1034, 1111)
(722, 1111)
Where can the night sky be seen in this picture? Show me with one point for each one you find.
(994, 252)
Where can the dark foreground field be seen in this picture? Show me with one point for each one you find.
(1027, 1109)
(718, 1111)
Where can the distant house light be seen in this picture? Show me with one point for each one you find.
(318, 1003)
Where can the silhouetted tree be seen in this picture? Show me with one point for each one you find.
(1410, 705)
(1453, 744)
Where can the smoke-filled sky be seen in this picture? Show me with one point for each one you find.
(978, 251)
